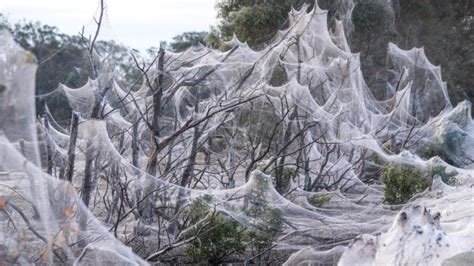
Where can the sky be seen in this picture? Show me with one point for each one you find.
(139, 24)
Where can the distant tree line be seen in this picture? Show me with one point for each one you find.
(60, 60)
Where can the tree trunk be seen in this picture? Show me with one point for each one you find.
(135, 147)
(157, 94)
(49, 151)
(72, 146)
(281, 183)
(146, 207)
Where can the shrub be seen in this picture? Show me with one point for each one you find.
(283, 184)
(266, 231)
(220, 238)
(268, 220)
(318, 201)
(429, 151)
(447, 178)
(402, 182)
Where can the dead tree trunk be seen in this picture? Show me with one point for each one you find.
(49, 151)
(281, 184)
(157, 95)
(87, 183)
(145, 208)
(72, 146)
(135, 147)
(189, 170)
(96, 114)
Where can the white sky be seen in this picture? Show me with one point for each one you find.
(137, 23)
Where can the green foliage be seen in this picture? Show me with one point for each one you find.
(370, 173)
(402, 182)
(387, 146)
(373, 29)
(429, 151)
(213, 246)
(268, 220)
(262, 235)
(122, 59)
(319, 201)
(374, 158)
(370, 17)
(447, 177)
(252, 21)
(63, 59)
(59, 57)
(418, 9)
(289, 174)
(214, 40)
(220, 238)
(188, 39)
(4, 24)
(255, 24)
(445, 29)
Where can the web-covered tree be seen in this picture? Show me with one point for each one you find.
(435, 24)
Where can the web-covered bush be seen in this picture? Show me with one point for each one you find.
(218, 238)
(402, 183)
